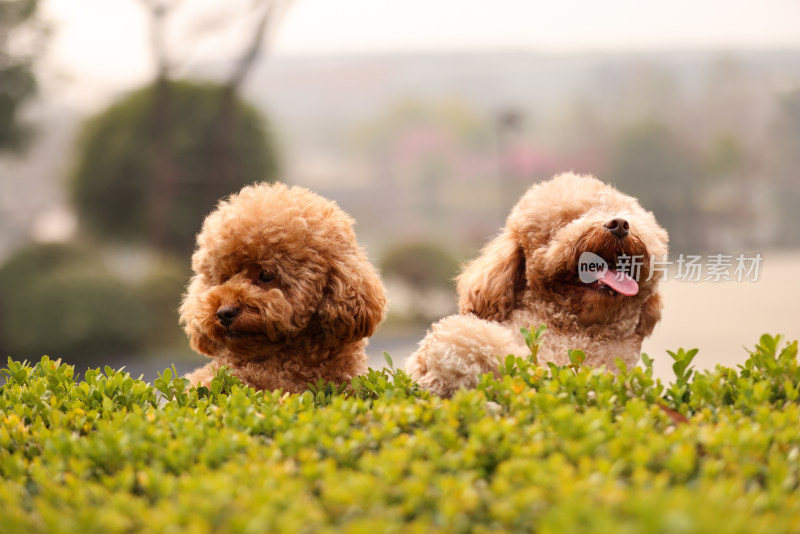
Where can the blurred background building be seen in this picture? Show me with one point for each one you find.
(123, 121)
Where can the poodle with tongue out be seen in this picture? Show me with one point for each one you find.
(576, 255)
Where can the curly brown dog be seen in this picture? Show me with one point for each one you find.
(529, 275)
(282, 293)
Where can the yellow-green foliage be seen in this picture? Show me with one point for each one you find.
(544, 449)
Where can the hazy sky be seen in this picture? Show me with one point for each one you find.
(101, 45)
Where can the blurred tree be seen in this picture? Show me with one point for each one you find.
(650, 163)
(786, 152)
(223, 124)
(151, 166)
(727, 157)
(730, 195)
(21, 34)
(119, 184)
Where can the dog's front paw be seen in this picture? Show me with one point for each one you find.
(202, 375)
(459, 349)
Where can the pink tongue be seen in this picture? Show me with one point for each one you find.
(620, 282)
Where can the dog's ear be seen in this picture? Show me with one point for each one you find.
(489, 285)
(651, 314)
(199, 341)
(354, 301)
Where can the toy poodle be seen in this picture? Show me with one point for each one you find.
(553, 263)
(281, 293)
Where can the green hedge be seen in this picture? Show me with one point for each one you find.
(545, 449)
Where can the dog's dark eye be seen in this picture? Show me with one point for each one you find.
(265, 277)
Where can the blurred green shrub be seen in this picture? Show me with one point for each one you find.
(420, 264)
(419, 276)
(533, 449)
(64, 301)
(151, 166)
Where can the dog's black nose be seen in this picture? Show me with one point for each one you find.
(227, 314)
(618, 227)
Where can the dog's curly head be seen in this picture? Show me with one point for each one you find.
(275, 265)
(536, 257)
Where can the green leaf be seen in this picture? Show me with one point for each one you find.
(527, 335)
(576, 356)
(540, 331)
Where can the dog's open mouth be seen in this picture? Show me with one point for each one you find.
(594, 272)
(616, 281)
